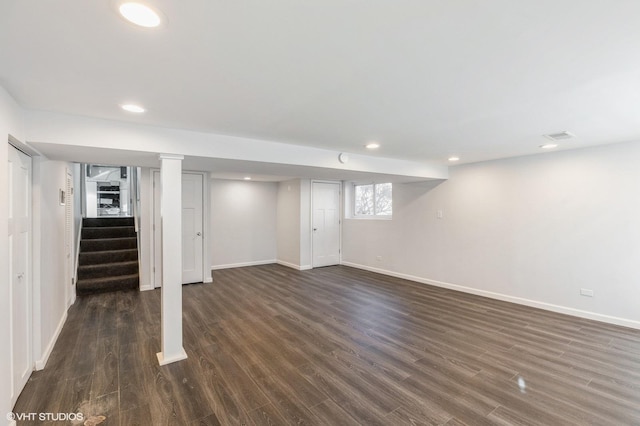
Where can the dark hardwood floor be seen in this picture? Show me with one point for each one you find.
(337, 346)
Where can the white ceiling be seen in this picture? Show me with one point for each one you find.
(425, 78)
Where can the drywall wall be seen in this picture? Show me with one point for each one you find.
(63, 129)
(305, 224)
(288, 223)
(145, 229)
(11, 123)
(533, 230)
(243, 223)
(49, 305)
(77, 215)
(294, 223)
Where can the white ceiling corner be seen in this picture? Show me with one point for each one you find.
(427, 79)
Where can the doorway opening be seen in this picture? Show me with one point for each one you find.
(108, 257)
(108, 191)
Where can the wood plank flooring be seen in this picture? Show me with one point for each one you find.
(269, 345)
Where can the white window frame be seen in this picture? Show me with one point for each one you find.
(374, 215)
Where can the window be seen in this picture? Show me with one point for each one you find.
(373, 199)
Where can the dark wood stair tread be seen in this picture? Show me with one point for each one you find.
(108, 256)
(107, 279)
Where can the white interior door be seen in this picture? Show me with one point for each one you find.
(192, 226)
(192, 248)
(19, 269)
(326, 224)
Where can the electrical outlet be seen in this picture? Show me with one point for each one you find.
(439, 214)
(586, 292)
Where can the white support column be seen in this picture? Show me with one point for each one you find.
(171, 212)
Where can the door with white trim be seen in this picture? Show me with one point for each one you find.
(325, 223)
(192, 247)
(20, 269)
(192, 229)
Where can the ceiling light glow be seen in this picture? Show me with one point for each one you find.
(140, 14)
(549, 146)
(454, 158)
(133, 108)
(247, 178)
(372, 145)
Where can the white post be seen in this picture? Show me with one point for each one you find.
(171, 213)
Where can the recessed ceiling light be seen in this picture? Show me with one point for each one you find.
(454, 158)
(549, 146)
(140, 14)
(247, 178)
(133, 108)
(372, 145)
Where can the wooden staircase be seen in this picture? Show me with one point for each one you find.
(108, 256)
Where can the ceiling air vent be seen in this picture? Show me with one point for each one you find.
(560, 136)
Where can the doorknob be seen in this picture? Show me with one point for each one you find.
(315, 229)
(199, 234)
(20, 275)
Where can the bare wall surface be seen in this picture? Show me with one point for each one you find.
(243, 222)
(539, 228)
(52, 306)
(288, 222)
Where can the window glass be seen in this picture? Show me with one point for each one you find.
(383, 205)
(364, 200)
(373, 199)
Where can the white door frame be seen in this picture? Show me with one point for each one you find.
(24, 149)
(341, 216)
(156, 262)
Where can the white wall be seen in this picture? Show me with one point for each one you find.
(533, 230)
(243, 223)
(146, 229)
(47, 127)
(77, 214)
(49, 260)
(305, 224)
(11, 122)
(288, 223)
(294, 223)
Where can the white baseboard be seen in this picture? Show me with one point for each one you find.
(243, 264)
(504, 297)
(146, 287)
(287, 264)
(162, 360)
(208, 280)
(293, 265)
(40, 364)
